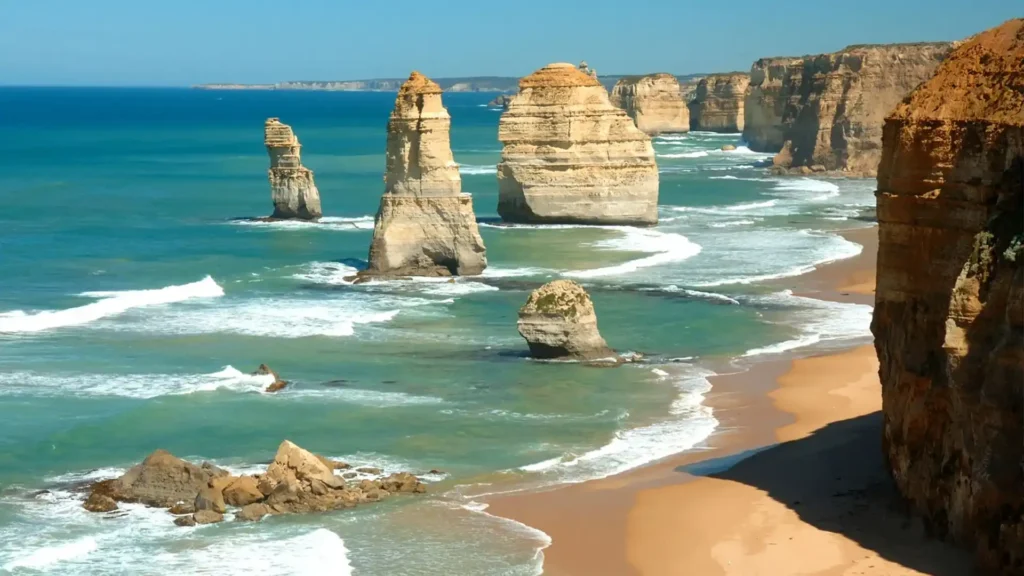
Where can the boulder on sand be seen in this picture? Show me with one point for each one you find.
(558, 321)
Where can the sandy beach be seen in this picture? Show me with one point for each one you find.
(792, 482)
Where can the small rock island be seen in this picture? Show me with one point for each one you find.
(558, 322)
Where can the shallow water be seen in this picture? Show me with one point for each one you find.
(133, 306)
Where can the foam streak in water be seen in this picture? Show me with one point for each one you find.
(666, 247)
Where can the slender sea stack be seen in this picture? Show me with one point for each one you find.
(570, 156)
(291, 184)
(425, 225)
(718, 103)
(765, 103)
(654, 102)
(558, 321)
(836, 103)
(949, 309)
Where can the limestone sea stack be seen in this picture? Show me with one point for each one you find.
(558, 321)
(949, 308)
(837, 103)
(570, 156)
(425, 225)
(291, 184)
(765, 103)
(718, 103)
(654, 102)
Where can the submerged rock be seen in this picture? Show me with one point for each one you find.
(558, 321)
(425, 225)
(291, 184)
(654, 102)
(570, 156)
(949, 308)
(719, 102)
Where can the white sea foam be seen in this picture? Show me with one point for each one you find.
(432, 286)
(471, 170)
(129, 385)
(109, 304)
(806, 189)
(312, 553)
(46, 557)
(818, 321)
(499, 272)
(731, 223)
(665, 248)
(335, 223)
(369, 398)
(752, 205)
(711, 296)
(331, 273)
(697, 154)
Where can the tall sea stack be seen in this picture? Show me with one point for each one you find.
(949, 309)
(765, 103)
(425, 225)
(654, 102)
(570, 156)
(291, 184)
(718, 104)
(836, 103)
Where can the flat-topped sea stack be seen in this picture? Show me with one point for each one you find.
(654, 102)
(425, 225)
(291, 184)
(765, 103)
(570, 156)
(558, 322)
(718, 103)
(837, 103)
(949, 308)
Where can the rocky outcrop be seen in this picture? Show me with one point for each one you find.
(718, 103)
(949, 308)
(291, 184)
(836, 103)
(277, 385)
(297, 481)
(570, 156)
(501, 101)
(765, 103)
(654, 102)
(425, 225)
(558, 321)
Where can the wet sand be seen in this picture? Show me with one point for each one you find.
(792, 482)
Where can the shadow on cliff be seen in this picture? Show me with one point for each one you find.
(836, 480)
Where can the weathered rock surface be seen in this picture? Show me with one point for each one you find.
(654, 102)
(297, 481)
(570, 156)
(949, 308)
(765, 103)
(558, 321)
(718, 103)
(836, 103)
(277, 385)
(586, 69)
(425, 225)
(502, 101)
(291, 184)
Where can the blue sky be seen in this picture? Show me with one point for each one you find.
(180, 42)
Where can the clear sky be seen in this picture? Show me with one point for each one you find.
(181, 42)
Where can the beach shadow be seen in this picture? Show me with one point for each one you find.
(837, 480)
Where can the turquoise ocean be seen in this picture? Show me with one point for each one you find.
(134, 304)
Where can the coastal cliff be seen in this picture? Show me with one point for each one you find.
(291, 184)
(570, 156)
(836, 103)
(949, 309)
(765, 103)
(425, 225)
(654, 102)
(717, 105)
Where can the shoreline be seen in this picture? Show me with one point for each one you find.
(706, 510)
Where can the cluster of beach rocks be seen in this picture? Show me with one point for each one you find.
(296, 482)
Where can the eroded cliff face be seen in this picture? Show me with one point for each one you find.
(291, 184)
(836, 103)
(718, 103)
(425, 225)
(570, 156)
(765, 103)
(654, 102)
(949, 309)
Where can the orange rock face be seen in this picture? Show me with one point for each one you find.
(949, 310)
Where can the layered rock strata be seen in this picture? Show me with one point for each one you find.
(291, 184)
(836, 103)
(949, 309)
(765, 103)
(718, 103)
(558, 321)
(297, 481)
(425, 225)
(654, 102)
(570, 156)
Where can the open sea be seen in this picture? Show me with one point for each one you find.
(133, 307)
